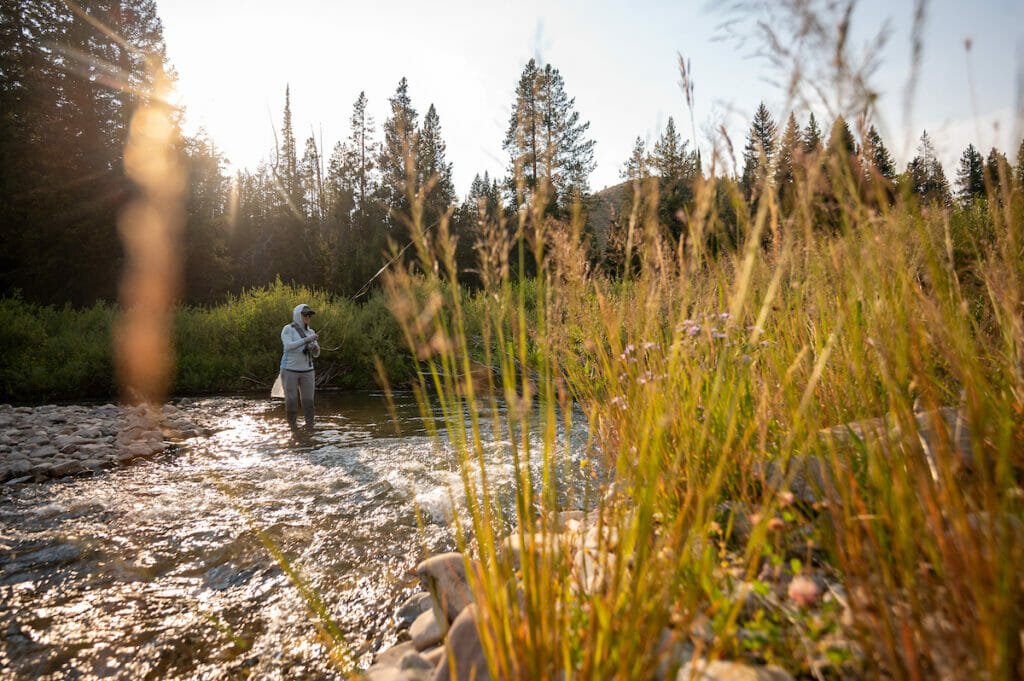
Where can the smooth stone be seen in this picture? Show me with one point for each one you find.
(46, 452)
(394, 654)
(673, 653)
(66, 468)
(544, 548)
(411, 609)
(415, 661)
(383, 673)
(387, 673)
(466, 649)
(69, 443)
(444, 576)
(19, 466)
(810, 478)
(434, 655)
(425, 631)
(41, 468)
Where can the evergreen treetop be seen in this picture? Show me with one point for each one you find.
(970, 175)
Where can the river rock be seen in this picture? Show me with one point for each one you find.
(381, 673)
(41, 469)
(541, 546)
(19, 466)
(945, 440)
(415, 661)
(393, 655)
(809, 478)
(44, 453)
(62, 468)
(444, 577)
(53, 441)
(425, 631)
(720, 670)
(943, 437)
(89, 433)
(434, 655)
(465, 648)
(411, 609)
(673, 653)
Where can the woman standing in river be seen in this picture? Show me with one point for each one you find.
(297, 375)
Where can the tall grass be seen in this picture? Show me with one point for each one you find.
(707, 381)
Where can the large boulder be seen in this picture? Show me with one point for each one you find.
(425, 632)
(465, 649)
(444, 577)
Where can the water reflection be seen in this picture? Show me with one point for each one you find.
(158, 571)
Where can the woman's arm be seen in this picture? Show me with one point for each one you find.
(290, 339)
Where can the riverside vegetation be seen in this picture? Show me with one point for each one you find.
(66, 353)
(815, 442)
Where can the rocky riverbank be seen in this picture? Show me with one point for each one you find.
(53, 441)
(440, 625)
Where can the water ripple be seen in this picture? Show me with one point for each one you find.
(159, 570)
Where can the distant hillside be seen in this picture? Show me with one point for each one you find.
(603, 207)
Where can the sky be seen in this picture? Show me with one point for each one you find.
(619, 60)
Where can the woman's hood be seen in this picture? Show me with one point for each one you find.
(297, 314)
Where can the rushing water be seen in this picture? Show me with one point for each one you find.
(158, 570)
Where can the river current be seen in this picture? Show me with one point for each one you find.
(161, 570)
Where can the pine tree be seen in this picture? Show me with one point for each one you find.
(758, 153)
(997, 171)
(477, 222)
(635, 168)
(70, 82)
(970, 176)
(879, 169)
(788, 152)
(677, 169)
(925, 174)
(636, 172)
(484, 197)
(286, 161)
(363, 151)
(841, 157)
(546, 141)
(670, 157)
(209, 272)
(358, 217)
(432, 170)
(877, 156)
(812, 136)
(341, 192)
(1020, 166)
(311, 180)
(397, 160)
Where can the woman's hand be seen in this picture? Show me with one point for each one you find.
(311, 338)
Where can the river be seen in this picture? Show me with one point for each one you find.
(158, 571)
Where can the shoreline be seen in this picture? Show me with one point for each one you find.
(54, 441)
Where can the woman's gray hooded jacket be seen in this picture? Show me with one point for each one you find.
(296, 357)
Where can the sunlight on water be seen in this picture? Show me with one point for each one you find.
(155, 569)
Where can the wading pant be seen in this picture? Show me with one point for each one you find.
(296, 382)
